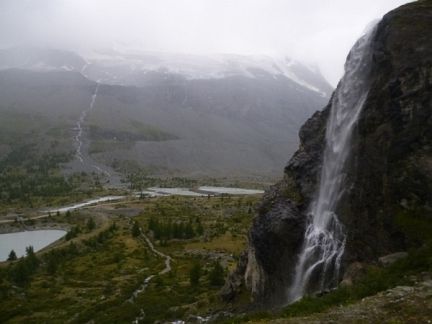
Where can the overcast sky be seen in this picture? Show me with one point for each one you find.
(320, 32)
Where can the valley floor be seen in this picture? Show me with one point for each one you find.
(132, 261)
(145, 259)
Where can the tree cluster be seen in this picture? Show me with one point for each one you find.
(175, 230)
(20, 273)
(215, 276)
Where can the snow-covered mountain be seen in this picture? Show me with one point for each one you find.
(40, 59)
(176, 114)
(121, 67)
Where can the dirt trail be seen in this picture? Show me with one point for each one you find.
(147, 280)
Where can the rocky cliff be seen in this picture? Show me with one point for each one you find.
(388, 176)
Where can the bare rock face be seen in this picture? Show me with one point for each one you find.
(268, 254)
(389, 172)
(392, 149)
(235, 280)
(277, 233)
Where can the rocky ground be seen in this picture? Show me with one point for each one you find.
(402, 304)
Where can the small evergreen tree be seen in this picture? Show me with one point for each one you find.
(136, 230)
(195, 274)
(216, 275)
(31, 259)
(20, 273)
(91, 225)
(188, 231)
(199, 229)
(73, 232)
(12, 256)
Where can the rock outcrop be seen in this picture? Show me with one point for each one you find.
(388, 174)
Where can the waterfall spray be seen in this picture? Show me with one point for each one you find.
(324, 240)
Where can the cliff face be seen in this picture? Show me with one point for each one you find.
(388, 173)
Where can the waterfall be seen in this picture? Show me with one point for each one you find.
(79, 125)
(324, 240)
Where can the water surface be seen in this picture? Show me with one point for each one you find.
(20, 240)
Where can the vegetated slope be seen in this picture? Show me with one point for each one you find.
(168, 122)
(222, 126)
(385, 207)
(33, 147)
(106, 270)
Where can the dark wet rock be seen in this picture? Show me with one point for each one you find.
(304, 167)
(389, 172)
(235, 282)
(353, 273)
(275, 237)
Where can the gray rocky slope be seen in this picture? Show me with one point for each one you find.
(189, 116)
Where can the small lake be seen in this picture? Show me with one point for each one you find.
(20, 240)
(202, 191)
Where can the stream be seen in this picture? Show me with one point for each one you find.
(147, 280)
(84, 162)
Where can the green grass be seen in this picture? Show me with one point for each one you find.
(103, 269)
(96, 282)
(100, 146)
(133, 132)
(33, 151)
(14, 126)
(376, 279)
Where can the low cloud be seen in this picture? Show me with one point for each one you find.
(315, 31)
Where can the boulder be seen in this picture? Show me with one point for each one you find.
(389, 259)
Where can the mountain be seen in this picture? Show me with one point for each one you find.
(126, 68)
(382, 204)
(40, 59)
(166, 114)
(132, 67)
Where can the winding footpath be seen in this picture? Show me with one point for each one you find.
(147, 280)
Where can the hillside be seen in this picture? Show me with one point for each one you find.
(243, 121)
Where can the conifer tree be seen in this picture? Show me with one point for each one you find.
(12, 256)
